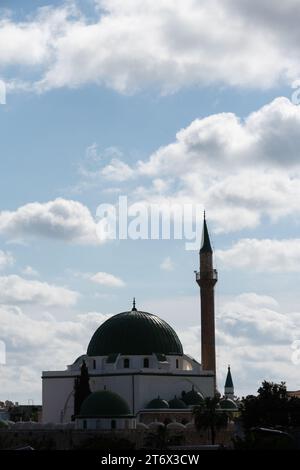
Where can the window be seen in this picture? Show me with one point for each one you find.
(177, 364)
(84, 424)
(94, 363)
(126, 363)
(113, 424)
(146, 362)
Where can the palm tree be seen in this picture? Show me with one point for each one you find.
(208, 415)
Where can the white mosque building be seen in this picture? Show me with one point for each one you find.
(135, 369)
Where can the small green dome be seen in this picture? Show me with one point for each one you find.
(192, 398)
(176, 403)
(228, 404)
(104, 404)
(157, 404)
(134, 333)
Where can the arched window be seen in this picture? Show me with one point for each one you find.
(126, 363)
(113, 424)
(177, 364)
(146, 362)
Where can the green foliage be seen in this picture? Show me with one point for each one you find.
(81, 388)
(209, 416)
(270, 408)
(265, 415)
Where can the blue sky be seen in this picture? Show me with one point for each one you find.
(104, 99)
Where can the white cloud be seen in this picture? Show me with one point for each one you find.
(101, 278)
(60, 219)
(98, 167)
(255, 336)
(33, 37)
(117, 170)
(262, 255)
(106, 279)
(267, 135)
(167, 264)
(166, 44)
(6, 259)
(33, 345)
(30, 271)
(239, 170)
(15, 289)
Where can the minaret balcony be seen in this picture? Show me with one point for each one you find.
(212, 274)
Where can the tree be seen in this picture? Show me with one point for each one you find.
(209, 416)
(294, 411)
(81, 388)
(271, 407)
(268, 418)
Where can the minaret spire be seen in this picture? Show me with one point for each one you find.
(205, 246)
(229, 388)
(206, 279)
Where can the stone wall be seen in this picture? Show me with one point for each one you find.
(67, 439)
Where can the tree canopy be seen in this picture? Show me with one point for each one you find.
(272, 407)
(208, 415)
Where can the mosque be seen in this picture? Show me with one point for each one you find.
(135, 369)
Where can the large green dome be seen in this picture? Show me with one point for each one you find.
(104, 403)
(134, 333)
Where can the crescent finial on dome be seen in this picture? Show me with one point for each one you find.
(133, 305)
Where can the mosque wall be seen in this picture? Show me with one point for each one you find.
(149, 387)
(58, 399)
(137, 391)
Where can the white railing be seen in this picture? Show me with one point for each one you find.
(213, 274)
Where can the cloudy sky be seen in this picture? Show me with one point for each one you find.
(171, 101)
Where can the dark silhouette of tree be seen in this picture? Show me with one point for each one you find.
(294, 411)
(268, 419)
(208, 415)
(271, 407)
(81, 388)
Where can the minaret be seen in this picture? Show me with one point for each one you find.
(229, 388)
(206, 278)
